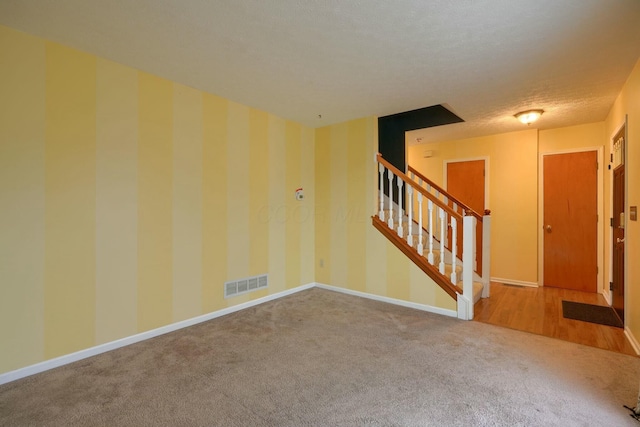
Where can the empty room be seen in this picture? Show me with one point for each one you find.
(310, 213)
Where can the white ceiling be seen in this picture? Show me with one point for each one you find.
(484, 59)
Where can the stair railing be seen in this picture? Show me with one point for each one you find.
(436, 209)
(483, 228)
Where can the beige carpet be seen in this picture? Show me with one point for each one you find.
(320, 358)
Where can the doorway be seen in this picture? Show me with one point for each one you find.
(618, 223)
(570, 220)
(466, 180)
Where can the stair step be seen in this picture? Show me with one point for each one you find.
(477, 290)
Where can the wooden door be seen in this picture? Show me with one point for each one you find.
(617, 296)
(465, 181)
(570, 221)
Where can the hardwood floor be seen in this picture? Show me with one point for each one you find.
(539, 311)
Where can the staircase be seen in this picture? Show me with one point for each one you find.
(427, 228)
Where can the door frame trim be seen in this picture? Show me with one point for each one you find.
(607, 295)
(600, 203)
(486, 175)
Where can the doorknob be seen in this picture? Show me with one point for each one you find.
(619, 240)
(548, 228)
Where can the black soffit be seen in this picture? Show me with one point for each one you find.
(391, 130)
(436, 115)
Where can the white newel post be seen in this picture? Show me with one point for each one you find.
(410, 212)
(465, 307)
(399, 183)
(486, 255)
(430, 225)
(454, 250)
(443, 224)
(381, 191)
(390, 176)
(420, 244)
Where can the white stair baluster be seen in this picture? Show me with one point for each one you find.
(420, 245)
(443, 224)
(454, 249)
(390, 176)
(469, 242)
(410, 213)
(399, 183)
(381, 191)
(430, 225)
(486, 254)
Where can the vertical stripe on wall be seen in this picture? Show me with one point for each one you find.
(398, 266)
(238, 191)
(116, 201)
(70, 194)
(275, 212)
(259, 192)
(338, 213)
(292, 182)
(357, 214)
(214, 198)
(22, 198)
(323, 204)
(187, 202)
(376, 259)
(155, 198)
(306, 214)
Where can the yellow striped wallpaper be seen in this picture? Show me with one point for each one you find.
(128, 200)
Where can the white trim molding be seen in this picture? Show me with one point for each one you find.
(409, 304)
(103, 348)
(632, 340)
(514, 282)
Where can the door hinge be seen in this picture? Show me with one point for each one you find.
(611, 157)
(610, 222)
(610, 286)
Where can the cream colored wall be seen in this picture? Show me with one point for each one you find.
(513, 192)
(350, 252)
(628, 103)
(128, 200)
(591, 135)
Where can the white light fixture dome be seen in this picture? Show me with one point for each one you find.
(529, 116)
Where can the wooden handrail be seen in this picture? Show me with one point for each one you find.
(424, 192)
(447, 195)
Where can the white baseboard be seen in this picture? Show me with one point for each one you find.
(423, 307)
(514, 282)
(634, 342)
(102, 348)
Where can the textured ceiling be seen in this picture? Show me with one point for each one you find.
(484, 59)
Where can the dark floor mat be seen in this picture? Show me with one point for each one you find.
(599, 314)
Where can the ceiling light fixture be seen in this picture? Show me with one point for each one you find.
(529, 116)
